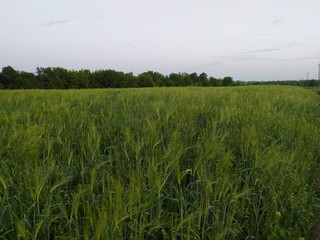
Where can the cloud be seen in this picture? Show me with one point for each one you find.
(249, 55)
(306, 58)
(48, 24)
(277, 21)
(294, 44)
(239, 57)
(140, 41)
(63, 21)
(262, 50)
(206, 65)
(137, 42)
(263, 34)
(244, 57)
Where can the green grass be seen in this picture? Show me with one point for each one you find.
(161, 163)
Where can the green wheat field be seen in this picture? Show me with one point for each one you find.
(159, 163)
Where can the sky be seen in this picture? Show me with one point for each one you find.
(250, 40)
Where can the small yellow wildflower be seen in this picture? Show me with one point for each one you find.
(278, 214)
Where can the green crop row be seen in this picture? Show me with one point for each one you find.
(161, 163)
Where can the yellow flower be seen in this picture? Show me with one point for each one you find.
(278, 214)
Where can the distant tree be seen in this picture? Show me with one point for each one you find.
(84, 78)
(215, 82)
(122, 81)
(131, 80)
(146, 80)
(7, 77)
(239, 83)
(60, 78)
(25, 80)
(203, 78)
(158, 78)
(175, 79)
(187, 80)
(96, 79)
(77, 79)
(106, 79)
(194, 78)
(227, 81)
(53, 78)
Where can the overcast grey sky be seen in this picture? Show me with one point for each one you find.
(246, 39)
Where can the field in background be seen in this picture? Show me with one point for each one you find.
(161, 163)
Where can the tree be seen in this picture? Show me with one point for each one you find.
(25, 80)
(158, 78)
(7, 77)
(60, 78)
(146, 80)
(227, 81)
(194, 78)
(131, 80)
(78, 79)
(53, 78)
(203, 78)
(175, 79)
(215, 82)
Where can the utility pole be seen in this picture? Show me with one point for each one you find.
(307, 76)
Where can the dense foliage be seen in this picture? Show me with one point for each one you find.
(161, 163)
(60, 78)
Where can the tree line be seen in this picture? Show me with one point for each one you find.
(302, 83)
(61, 78)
